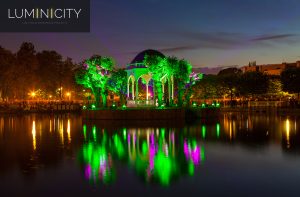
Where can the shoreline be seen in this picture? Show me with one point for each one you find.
(265, 110)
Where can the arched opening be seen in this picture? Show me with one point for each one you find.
(167, 89)
(130, 88)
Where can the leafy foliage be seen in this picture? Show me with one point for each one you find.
(291, 80)
(94, 75)
(28, 70)
(229, 81)
(253, 83)
(117, 83)
(168, 67)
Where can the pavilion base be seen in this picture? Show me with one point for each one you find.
(140, 103)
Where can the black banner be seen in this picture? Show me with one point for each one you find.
(45, 16)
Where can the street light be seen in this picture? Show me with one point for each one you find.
(60, 92)
(32, 94)
(68, 94)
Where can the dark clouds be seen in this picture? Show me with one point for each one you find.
(273, 37)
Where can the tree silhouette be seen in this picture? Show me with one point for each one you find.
(291, 80)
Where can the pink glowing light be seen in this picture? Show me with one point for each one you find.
(88, 172)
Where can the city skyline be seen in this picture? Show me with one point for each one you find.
(206, 33)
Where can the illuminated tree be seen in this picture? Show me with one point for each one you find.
(156, 65)
(194, 77)
(275, 86)
(182, 74)
(94, 75)
(117, 83)
(166, 68)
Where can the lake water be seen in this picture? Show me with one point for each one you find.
(232, 155)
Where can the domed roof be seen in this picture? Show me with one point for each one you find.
(140, 57)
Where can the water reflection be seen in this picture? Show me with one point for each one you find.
(104, 153)
(157, 155)
(32, 143)
(33, 135)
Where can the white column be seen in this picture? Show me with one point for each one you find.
(137, 89)
(147, 90)
(132, 89)
(172, 81)
(169, 88)
(128, 81)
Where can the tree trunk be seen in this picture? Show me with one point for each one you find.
(180, 100)
(104, 99)
(180, 94)
(97, 98)
(158, 87)
(122, 99)
(188, 97)
(96, 92)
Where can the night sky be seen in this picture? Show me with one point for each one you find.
(205, 32)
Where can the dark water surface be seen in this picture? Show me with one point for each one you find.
(233, 155)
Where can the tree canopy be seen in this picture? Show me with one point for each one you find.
(291, 80)
(94, 75)
(27, 70)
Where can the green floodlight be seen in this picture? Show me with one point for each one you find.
(218, 105)
(84, 107)
(162, 106)
(213, 104)
(203, 105)
(124, 106)
(194, 104)
(93, 106)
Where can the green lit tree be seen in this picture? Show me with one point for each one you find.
(182, 73)
(117, 83)
(94, 75)
(156, 66)
(167, 67)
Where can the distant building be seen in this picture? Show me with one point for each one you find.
(269, 69)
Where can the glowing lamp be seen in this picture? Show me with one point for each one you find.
(32, 94)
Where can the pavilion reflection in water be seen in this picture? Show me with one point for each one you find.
(157, 155)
